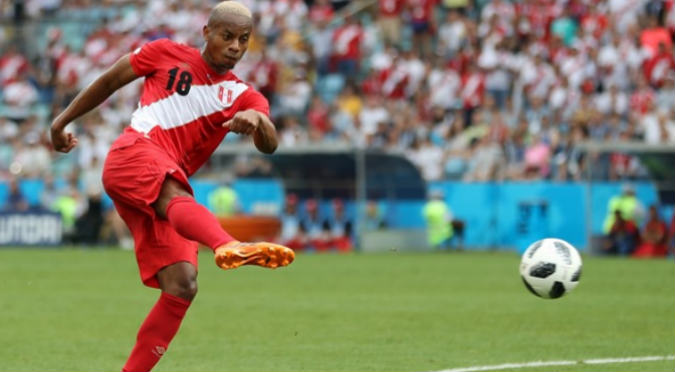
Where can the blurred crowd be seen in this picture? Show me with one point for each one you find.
(472, 90)
(631, 231)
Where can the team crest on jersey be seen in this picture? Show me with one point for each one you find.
(225, 95)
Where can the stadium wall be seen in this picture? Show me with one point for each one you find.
(496, 214)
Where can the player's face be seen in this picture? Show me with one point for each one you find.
(227, 41)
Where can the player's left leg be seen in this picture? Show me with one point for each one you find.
(195, 222)
(178, 283)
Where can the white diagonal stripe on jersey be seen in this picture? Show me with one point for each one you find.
(177, 110)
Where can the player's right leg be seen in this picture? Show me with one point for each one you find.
(178, 283)
(194, 222)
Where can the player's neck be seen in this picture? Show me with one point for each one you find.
(211, 66)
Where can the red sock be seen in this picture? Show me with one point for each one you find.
(156, 333)
(193, 221)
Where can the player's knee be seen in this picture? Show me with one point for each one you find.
(185, 287)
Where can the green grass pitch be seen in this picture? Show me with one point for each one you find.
(79, 310)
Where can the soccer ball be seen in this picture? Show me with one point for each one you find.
(550, 268)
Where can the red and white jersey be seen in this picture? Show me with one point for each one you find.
(658, 68)
(503, 9)
(473, 89)
(185, 102)
(641, 100)
(390, 8)
(11, 66)
(347, 41)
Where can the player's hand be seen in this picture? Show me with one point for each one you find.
(243, 122)
(62, 141)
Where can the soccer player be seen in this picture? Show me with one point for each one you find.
(190, 101)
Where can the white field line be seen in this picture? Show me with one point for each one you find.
(498, 367)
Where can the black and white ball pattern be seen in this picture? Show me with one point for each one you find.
(550, 268)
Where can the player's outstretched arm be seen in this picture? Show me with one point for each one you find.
(265, 136)
(257, 124)
(117, 76)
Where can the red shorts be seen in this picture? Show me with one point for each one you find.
(133, 174)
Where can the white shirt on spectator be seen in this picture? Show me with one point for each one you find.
(293, 11)
(34, 159)
(8, 129)
(497, 76)
(444, 85)
(296, 96)
(666, 98)
(573, 68)
(19, 96)
(503, 9)
(564, 98)
(450, 37)
(381, 60)
(73, 67)
(90, 148)
(321, 42)
(415, 71)
(538, 78)
(625, 12)
(370, 117)
(608, 104)
(649, 125)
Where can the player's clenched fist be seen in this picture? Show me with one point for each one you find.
(62, 141)
(243, 122)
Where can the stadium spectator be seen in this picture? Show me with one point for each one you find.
(265, 74)
(320, 39)
(389, 17)
(347, 42)
(627, 205)
(16, 201)
(317, 230)
(223, 201)
(623, 236)
(49, 194)
(293, 233)
(452, 34)
(565, 27)
(88, 225)
(321, 11)
(31, 159)
(71, 204)
(423, 24)
(318, 117)
(341, 227)
(19, 95)
(294, 98)
(374, 217)
(438, 218)
(653, 237)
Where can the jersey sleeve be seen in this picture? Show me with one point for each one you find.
(144, 59)
(253, 99)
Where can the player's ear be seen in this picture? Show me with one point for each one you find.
(205, 32)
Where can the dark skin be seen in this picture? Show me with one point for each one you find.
(226, 37)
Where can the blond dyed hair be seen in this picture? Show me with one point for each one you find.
(228, 7)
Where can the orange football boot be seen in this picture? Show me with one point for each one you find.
(270, 255)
